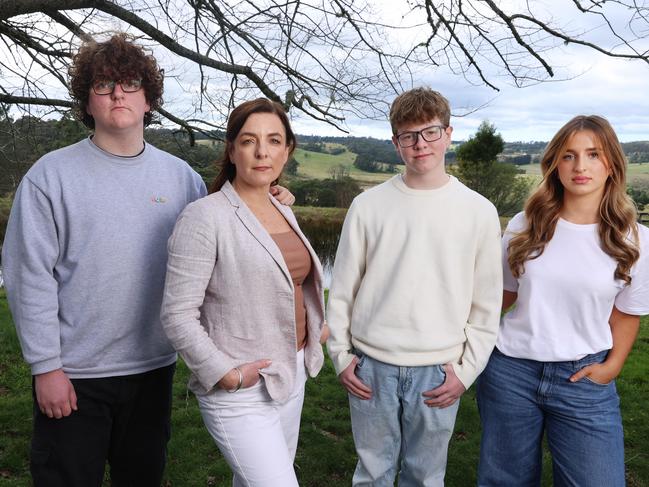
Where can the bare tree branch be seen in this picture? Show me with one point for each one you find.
(323, 59)
(30, 100)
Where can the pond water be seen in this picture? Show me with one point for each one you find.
(324, 236)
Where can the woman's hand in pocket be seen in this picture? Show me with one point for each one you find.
(249, 375)
(599, 373)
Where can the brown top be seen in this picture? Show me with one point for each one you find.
(298, 262)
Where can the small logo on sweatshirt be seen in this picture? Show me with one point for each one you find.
(158, 199)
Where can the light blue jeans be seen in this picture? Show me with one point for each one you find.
(395, 430)
(519, 399)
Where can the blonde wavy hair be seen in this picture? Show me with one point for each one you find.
(618, 232)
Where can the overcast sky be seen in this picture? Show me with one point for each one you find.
(589, 83)
(585, 83)
(617, 90)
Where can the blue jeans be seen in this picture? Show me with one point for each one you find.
(519, 399)
(395, 429)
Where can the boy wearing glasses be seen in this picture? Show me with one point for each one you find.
(84, 260)
(414, 302)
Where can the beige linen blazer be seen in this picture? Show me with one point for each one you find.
(229, 297)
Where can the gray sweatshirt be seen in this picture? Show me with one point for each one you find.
(84, 258)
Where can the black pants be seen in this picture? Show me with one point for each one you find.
(122, 420)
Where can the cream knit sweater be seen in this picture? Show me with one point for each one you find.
(417, 279)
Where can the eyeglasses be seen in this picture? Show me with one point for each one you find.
(106, 87)
(429, 134)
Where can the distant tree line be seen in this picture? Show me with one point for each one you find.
(364, 162)
(376, 155)
(375, 149)
(372, 155)
(314, 146)
(534, 147)
(337, 191)
(639, 195)
(521, 153)
(24, 140)
(519, 160)
(201, 156)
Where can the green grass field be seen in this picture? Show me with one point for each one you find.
(318, 165)
(309, 213)
(325, 456)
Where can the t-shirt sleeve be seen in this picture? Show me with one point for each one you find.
(510, 283)
(634, 298)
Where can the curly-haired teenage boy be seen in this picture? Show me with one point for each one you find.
(414, 302)
(84, 260)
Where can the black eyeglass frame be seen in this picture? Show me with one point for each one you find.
(420, 133)
(121, 83)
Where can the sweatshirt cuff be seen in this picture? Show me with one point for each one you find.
(466, 374)
(46, 366)
(341, 361)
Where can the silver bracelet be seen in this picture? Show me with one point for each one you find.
(240, 382)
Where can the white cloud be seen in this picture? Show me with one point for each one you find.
(585, 83)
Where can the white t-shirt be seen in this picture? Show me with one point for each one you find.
(565, 296)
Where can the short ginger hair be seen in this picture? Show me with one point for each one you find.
(419, 105)
(116, 59)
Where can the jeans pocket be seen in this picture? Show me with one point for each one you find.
(442, 371)
(599, 384)
(361, 358)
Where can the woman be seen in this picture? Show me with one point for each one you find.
(576, 265)
(243, 302)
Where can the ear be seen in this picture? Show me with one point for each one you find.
(449, 133)
(395, 143)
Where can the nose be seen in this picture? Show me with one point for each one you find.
(262, 150)
(420, 143)
(117, 91)
(579, 165)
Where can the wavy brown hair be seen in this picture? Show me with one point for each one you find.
(117, 59)
(618, 232)
(236, 120)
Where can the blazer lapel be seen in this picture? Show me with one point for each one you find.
(292, 221)
(257, 230)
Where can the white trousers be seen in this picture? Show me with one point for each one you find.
(256, 435)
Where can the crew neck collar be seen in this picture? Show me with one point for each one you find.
(110, 154)
(401, 185)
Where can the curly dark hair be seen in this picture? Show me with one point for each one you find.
(118, 58)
